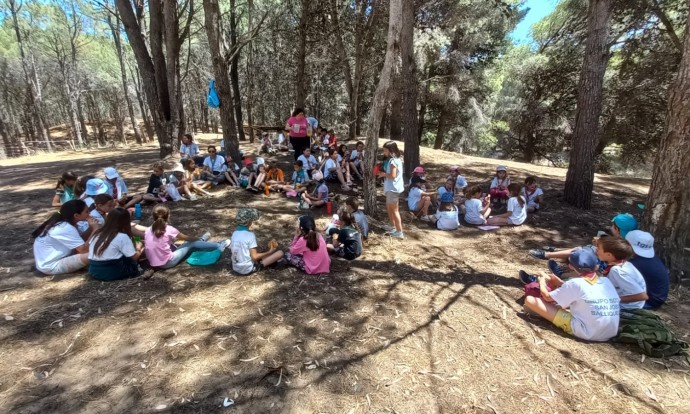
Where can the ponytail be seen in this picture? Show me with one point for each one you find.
(66, 214)
(515, 190)
(68, 175)
(312, 240)
(307, 227)
(348, 218)
(160, 220)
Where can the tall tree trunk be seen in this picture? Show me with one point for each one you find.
(301, 80)
(143, 108)
(668, 203)
(410, 86)
(250, 74)
(378, 104)
(115, 30)
(396, 92)
(82, 120)
(220, 69)
(235, 72)
(442, 127)
(579, 181)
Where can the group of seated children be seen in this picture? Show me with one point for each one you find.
(455, 198)
(617, 271)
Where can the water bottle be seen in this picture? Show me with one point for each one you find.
(137, 211)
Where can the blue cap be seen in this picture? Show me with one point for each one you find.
(625, 223)
(584, 260)
(447, 197)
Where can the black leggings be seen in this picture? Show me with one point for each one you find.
(299, 144)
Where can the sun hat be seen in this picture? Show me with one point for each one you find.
(95, 186)
(178, 168)
(419, 170)
(245, 216)
(110, 173)
(583, 260)
(447, 197)
(501, 168)
(625, 223)
(260, 161)
(642, 243)
(317, 175)
(454, 168)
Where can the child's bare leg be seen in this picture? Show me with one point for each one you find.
(340, 177)
(531, 209)
(251, 178)
(138, 230)
(135, 200)
(560, 254)
(272, 258)
(232, 178)
(151, 197)
(424, 209)
(487, 213)
(540, 307)
(498, 221)
(260, 179)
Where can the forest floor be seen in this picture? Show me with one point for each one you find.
(430, 324)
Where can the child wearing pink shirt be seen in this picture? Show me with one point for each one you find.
(159, 241)
(308, 251)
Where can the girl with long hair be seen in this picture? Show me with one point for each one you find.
(516, 213)
(58, 246)
(393, 186)
(308, 251)
(64, 189)
(159, 241)
(112, 254)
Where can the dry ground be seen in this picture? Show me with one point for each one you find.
(429, 324)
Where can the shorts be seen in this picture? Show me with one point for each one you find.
(475, 223)
(563, 320)
(392, 197)
(296, 260)
(256, 266)
(67, 264)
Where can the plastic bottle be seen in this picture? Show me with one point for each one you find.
(267, 190)
(329, 207)
(137, 211)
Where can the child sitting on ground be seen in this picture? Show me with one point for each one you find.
(320, 195)
(459, 181)
(446, 217)
(309, 163)
(246, 175)
(308, 251)
(274, 175)
(356, 165)
(258, 184)
(516, 213)
(177, 179)
(332, 170)
(627, 280)
(533, 194)
(347, 241)
(192, 175)
(103, 204)
(159, 241)
(112, 254)
(419, 201)
(156, 191)
(267, 144)
(586, 306)
(64, 190)
(476, 212)
(245, 258)
(360, 217)
(118, 189)
(653, 270)
(232, 171)
(499, 186)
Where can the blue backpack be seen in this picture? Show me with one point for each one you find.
(212, 98)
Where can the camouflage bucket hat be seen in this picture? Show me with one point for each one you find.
(246, 216)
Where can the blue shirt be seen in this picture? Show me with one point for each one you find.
(396, 184)
(656, 276)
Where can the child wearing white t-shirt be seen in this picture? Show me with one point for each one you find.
(245, 257)
(320, 196)
(585, 306)
(309, 163)
(418, 200)
(516, 212)
(475, 210)
(356, 164)
(533, 194)
(447, 217)
(624, 276)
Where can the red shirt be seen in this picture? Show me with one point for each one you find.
(298, 126)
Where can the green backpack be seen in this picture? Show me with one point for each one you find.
(650, 333)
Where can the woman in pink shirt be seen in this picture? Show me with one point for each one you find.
(308, 251)
(297, 124)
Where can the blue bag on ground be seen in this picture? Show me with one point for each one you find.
(212, 98)
(201, 258)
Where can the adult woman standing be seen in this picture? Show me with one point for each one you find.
(393, 186)
(297, 125)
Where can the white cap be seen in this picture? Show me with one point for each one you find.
(642, 243)
(501, 168)
(317, 175)
(178, 168)
(110, 173)
(260, 161)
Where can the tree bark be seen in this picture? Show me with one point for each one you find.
(396, 99)
(301, 79)
(441, 129)
(579, 181)
(115, 30)
(410, 86)
(220, 69)
(668, 202)
(235, 72)
(378, 104)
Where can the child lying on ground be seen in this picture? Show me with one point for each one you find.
(245, 257)
(586, 306)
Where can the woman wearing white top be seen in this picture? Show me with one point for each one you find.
(58, 246)
(393, 186)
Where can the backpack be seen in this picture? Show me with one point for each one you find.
(212, 98)
(650, 333)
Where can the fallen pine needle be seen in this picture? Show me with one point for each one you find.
(249, 360)
(548, 384)
(280, 378)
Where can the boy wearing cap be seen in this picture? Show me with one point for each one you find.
(627, 280)
(586, 306)
(653, 270)
(245, 258)
(118, 189)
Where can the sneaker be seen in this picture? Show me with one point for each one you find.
(388, 228)
(303, 205)
(224, 244)
(193, 197)
(538, 254)
(556, 268)
(425, 218)
(548, 248)
(397, 234)
(204, 237)
(346, 188)
(146, 275)
(526, 278)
